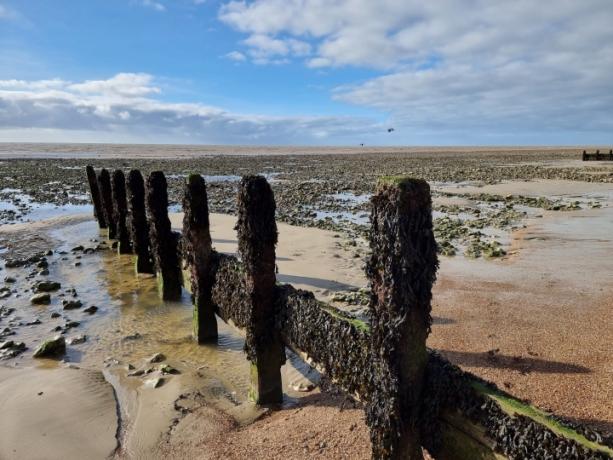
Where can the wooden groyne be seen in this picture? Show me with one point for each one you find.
(597, 156)
(413, 398)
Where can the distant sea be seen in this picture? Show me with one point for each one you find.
(35, 150)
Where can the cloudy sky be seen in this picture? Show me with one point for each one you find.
(445, 72)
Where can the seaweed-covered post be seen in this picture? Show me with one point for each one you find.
(104, 184)
(257, 238)
(137, 221)
(402, 270)
(120, 208)
(198, 251)
(584, 156)
(164, 243)
(95, 193)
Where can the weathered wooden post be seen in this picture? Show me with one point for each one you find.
(198, 251)
(95, 193)
(137, 222)
(164, 244)
(120, 211)
(402, 270)
(584, 157)
(257, 238)
(104, 184)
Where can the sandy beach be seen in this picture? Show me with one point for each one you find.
(534, 320)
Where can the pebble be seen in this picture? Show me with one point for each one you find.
(41, 299)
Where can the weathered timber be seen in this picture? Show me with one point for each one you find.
(94, 191)
(137, 222)
(198, 253)
(462, 417)
(597, 156)
(402, 270)
(333, 342)
(120, 212)
(164, 243)
(104, 184)
(257, 238)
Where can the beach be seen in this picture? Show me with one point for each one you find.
(523, 300)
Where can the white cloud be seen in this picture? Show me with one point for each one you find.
(452, 64)
(236, 56)
(128, 107)
(157, 6)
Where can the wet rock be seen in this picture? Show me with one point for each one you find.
(77, 339)
(134, 336)
(4, 293)
(303, 387)
(77, 248)
(10, 349)
(15, 263)
(157, 358)
(91, 309)
(10, 279)
(72, 304)
(167, 369)
(71, 325)
(47, 286)
(51, 348)
(41, 299)
(55, 314)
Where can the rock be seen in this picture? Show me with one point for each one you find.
(157, 358)
(55, 314)
(155, 382)
(137, 373)
(77, 248)
(72, 304)
(47, 286)
(167, 369)
(41, 299)
(5, 293)
(91, 309)
(43, 272)
(134, 336)
(42, 264)
(7, 344)
(10, 279)
(77, 339)
(52, 347)
(302, 386)
(71, 324)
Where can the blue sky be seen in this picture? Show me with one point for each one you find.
(307, 72)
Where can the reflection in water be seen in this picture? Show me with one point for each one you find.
(133, 323)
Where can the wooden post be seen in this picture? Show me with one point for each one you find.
(198, 251)
(402, 270)
(163, 241)
(137, 222)
(584, 156)
(104, 184)
(257, 238)
(120, 208)
(95, 193)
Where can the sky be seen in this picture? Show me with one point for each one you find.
(307, 72)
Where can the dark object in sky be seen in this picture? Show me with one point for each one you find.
(389, 130)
